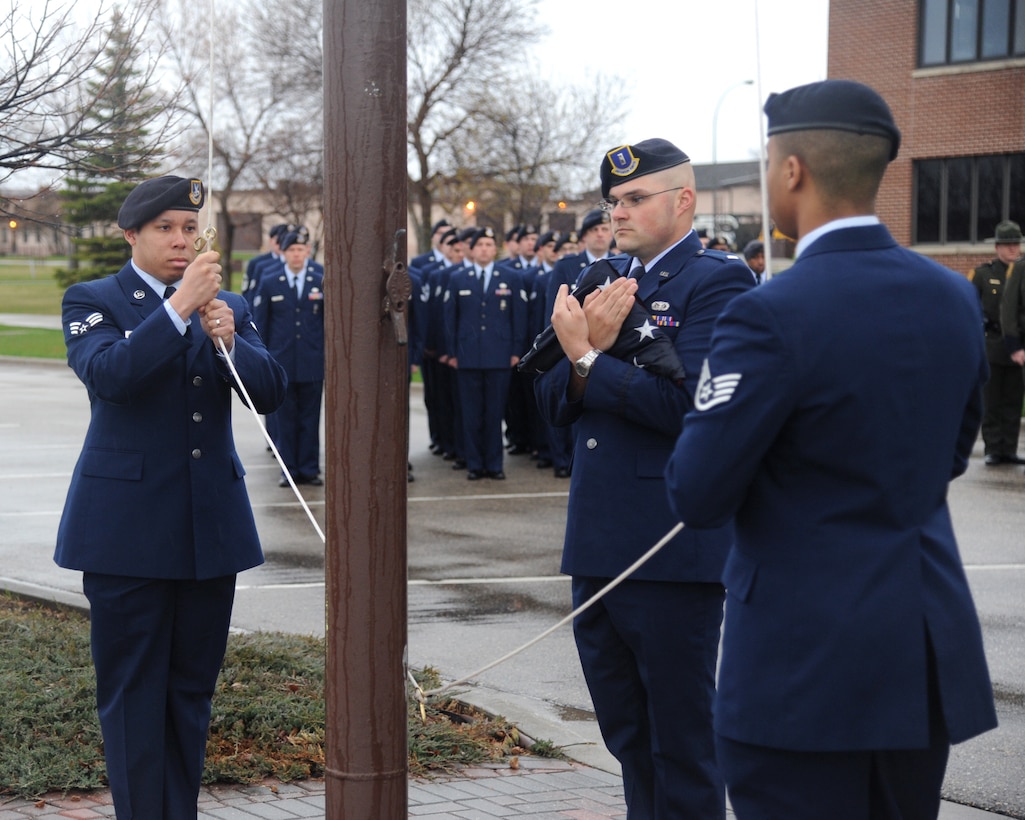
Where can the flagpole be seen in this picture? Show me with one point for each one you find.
(766, 224)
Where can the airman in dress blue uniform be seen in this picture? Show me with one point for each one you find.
(648, 648)
(256, 266)
(518, 411)
(157, 515)
(289, 311)
(435, 256)
(437, 395)
(835, 405)
(485, 326)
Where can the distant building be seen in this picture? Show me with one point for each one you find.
(954, 75)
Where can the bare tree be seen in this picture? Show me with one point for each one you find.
(266, 89)
(455, 49)
(49, 92)
(486, 127)
(532, 140)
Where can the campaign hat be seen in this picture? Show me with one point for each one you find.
(1007, 233)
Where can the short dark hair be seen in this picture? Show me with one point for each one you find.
(846, 167)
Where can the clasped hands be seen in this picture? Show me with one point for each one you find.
(597, 322)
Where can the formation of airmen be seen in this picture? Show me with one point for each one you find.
(285, 289)
(472, 317)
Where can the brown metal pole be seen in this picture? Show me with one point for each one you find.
(367, 410)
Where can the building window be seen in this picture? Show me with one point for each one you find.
(967, 31)
(961, 199)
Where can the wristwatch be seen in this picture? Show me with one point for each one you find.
(582, 366)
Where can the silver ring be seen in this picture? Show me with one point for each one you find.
(217, 322)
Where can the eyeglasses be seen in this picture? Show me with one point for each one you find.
(631, 200)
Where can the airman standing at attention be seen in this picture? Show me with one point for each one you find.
(1005, 390)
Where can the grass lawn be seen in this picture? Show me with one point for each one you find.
(268, 710)
(28, 286)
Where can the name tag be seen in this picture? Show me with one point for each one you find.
(466, 293)
(277, 298)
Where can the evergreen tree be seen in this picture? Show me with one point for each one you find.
(122, 104)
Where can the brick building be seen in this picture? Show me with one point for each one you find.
(953, 71)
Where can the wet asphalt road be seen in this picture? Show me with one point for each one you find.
(483, 569)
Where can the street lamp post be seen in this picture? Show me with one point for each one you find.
(715, 145)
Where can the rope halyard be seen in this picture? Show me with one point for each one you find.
(206, 242)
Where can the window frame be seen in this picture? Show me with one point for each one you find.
(933, 14)
(977, 234)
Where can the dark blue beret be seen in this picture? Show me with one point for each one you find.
(151, 198)
(594, 218)
(525, 231)
(299, 236)
(545, 238)
(631, 161)
(480, 234)
(466, 234)
(566, 237)
(441, 223)
(512, 233)
(280, 228)
(837, 105)
(450, 237)
(753, 248)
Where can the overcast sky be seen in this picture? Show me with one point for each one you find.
(678, 57)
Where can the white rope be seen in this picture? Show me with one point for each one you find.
(208, 237)
(615, 582)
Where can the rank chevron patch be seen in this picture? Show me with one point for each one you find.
(713, 391)
(78, 328)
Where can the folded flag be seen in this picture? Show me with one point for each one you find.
(641, 340)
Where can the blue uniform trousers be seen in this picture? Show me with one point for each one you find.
(648, 651)
(157, 646)
(482, 399)
(297, 425)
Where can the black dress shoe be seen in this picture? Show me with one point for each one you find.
(1015, 459)
(498, 475)
(316, 481)
(475, 475)
(459, 464)
(282, 482)
(544, 463)
(993, 459)
(518, 450)
(562, 472)
(449, 456)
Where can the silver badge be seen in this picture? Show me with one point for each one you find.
(660, 306)
(139, 294)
